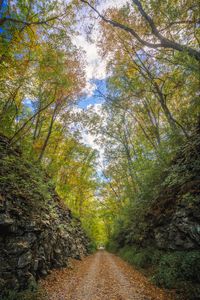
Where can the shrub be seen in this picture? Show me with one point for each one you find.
(128, 254)
(172, 269)
(25, 295)
(190, 266)
(178, 267)
(112, 246)
(92, 247)
(141, 258)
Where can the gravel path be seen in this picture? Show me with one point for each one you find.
(102, 276)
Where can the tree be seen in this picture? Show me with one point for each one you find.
(164, 42)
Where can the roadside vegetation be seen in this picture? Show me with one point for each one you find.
(146, 126)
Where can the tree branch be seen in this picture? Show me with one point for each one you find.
(7, 19)
(164, 42)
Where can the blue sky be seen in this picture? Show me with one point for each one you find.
(4, 5)
(95, 69)
(95, 97)
(86, 100)
(3, 8)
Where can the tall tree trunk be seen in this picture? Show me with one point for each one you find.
(49, 132)
(35, 134)
(174, 124)
(12, 140)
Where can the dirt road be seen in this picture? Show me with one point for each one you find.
(102, 276)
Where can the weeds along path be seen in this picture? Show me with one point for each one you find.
(102, 276)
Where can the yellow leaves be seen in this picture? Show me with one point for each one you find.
(31, 31)
(37, 146)
(131, 72)
(18, 37)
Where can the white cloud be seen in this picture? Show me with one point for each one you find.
(112, 3)
(95, 66)
(90, 140)
(87, 137)
(97, 108)
(95, 69)
(89, 88)
(75, 109)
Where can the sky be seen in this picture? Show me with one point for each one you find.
(95, 66)
(95, 69)
(92, 97)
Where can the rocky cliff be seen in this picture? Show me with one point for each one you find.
(37, 231)
(175, 217)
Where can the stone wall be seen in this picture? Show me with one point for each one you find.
(37, 231)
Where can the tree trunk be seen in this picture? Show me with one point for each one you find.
(49, 132)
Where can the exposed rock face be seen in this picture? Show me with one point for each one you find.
(181, 233)
(175, 217)
(37, 231)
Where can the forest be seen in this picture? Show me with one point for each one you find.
(127, 162)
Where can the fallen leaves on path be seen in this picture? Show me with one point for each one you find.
(102, 276)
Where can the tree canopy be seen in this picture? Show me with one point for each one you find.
(149, 108)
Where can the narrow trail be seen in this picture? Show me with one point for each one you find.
(102, 276)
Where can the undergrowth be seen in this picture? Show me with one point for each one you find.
(25, 295)
(178, 269)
